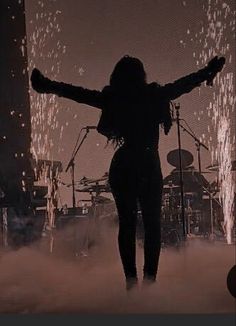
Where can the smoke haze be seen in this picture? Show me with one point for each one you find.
(190, 280)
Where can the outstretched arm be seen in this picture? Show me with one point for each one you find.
(79, 94)
(188, 83)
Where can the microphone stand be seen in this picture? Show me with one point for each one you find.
(71, 165)
(177, 108)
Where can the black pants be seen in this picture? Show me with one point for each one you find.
(135, 176)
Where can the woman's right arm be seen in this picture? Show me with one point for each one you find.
(79, 94)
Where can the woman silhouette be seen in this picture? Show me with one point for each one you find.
(132, 111)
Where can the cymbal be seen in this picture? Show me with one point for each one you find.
(83, 182)
(173, 158)
(191, 178)
(94, 188)
(86, 181)
(215, 167)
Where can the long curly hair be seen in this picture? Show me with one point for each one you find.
(128, 71)
(128, 75)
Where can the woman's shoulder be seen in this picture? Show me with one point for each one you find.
(106, 88)
(154, 89)
(108, 92)
(154, 86)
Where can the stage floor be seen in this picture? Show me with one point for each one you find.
(191, 279)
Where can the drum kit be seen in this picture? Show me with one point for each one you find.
(201, 198)
(202, 207)
(93, 186)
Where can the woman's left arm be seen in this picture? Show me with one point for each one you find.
(187, 83)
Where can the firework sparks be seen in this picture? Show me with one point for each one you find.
(225, 175)
(44, 108)
(46, 129)
(213, 39)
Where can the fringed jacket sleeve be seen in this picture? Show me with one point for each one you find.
(185, 84)
(78, 94)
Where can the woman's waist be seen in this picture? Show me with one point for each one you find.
(137, 154)
(137, 146)
(135, 163)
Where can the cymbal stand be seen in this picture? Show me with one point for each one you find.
(198, 145)
(211, 211)
(71, 165)
(185, 229)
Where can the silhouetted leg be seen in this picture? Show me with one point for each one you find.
(122, 179)
(127, 211)
(150, 202)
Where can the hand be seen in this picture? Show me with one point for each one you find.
(214, 66)
(39, 82)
